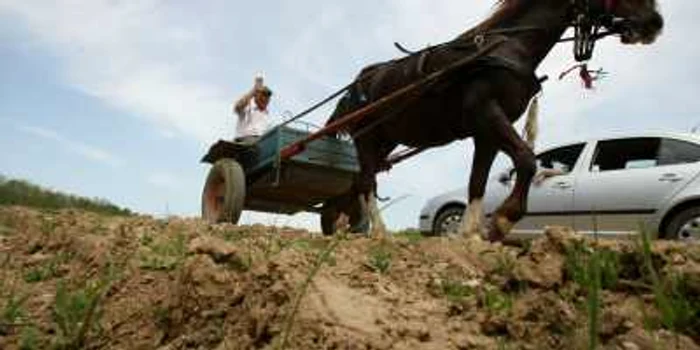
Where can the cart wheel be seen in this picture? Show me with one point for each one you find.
(224, 192)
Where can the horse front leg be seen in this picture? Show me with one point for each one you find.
(484, 154)
(515, 206)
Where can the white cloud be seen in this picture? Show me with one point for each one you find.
(164, 180)
(131, 55)
(82, 149)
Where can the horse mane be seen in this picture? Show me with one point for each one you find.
(505, 11)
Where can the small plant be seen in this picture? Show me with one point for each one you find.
(578, 267)
(43, 272)
(78, 312)
(380, 259)
(456, 291)
(167, 255)
(50, 269)
(592, 270)
(301, 244)
(678, 312)
(233, 236)
(48, 226)
(274, 245)
(496, 301)
(505, 265)
(35, 275)
(610, 267)
(593, 300)
(12, 312)
(29, 339)
(146, 240)
(161, 316)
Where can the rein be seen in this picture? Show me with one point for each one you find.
(587, 27)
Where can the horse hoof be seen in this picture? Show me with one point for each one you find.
(378, 235)
(472, 236)
(500, 228)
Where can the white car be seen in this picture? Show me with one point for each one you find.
(612, 187)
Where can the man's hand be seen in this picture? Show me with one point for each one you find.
(258, 83)
(545, 174)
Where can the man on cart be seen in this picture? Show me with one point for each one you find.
(252, 113)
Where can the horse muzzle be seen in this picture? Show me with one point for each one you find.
(642, 30)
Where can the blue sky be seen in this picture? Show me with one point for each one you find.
(120, 99)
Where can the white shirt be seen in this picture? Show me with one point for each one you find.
(252, 122)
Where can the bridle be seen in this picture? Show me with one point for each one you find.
(587, 26)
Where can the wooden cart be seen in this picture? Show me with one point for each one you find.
(259, 177)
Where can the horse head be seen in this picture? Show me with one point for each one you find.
(637, 21)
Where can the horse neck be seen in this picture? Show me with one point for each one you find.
(534, 45)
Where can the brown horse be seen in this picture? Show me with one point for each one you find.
(481, 100)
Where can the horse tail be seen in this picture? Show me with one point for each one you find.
(340, 110)
(355, 97)
(351, 101)
(531, 127)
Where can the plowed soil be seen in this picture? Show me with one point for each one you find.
(75, 280)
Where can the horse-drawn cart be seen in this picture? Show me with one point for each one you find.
(289, 171)
(476, 85)
(262, 177)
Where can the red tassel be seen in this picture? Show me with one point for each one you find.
(586, 77)
(584, 73)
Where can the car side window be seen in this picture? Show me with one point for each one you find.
(678, 152)
(563, 158)
(633, 153)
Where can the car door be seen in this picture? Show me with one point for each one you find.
(551, 202)
(626, 182)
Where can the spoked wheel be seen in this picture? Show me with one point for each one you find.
(224, 192)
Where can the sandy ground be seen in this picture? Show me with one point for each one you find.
(74, 280)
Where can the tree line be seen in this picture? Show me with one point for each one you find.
(24, 193)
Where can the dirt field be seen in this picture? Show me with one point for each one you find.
(74, 280)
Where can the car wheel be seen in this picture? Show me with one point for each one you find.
(685, 226)
(448, 221)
